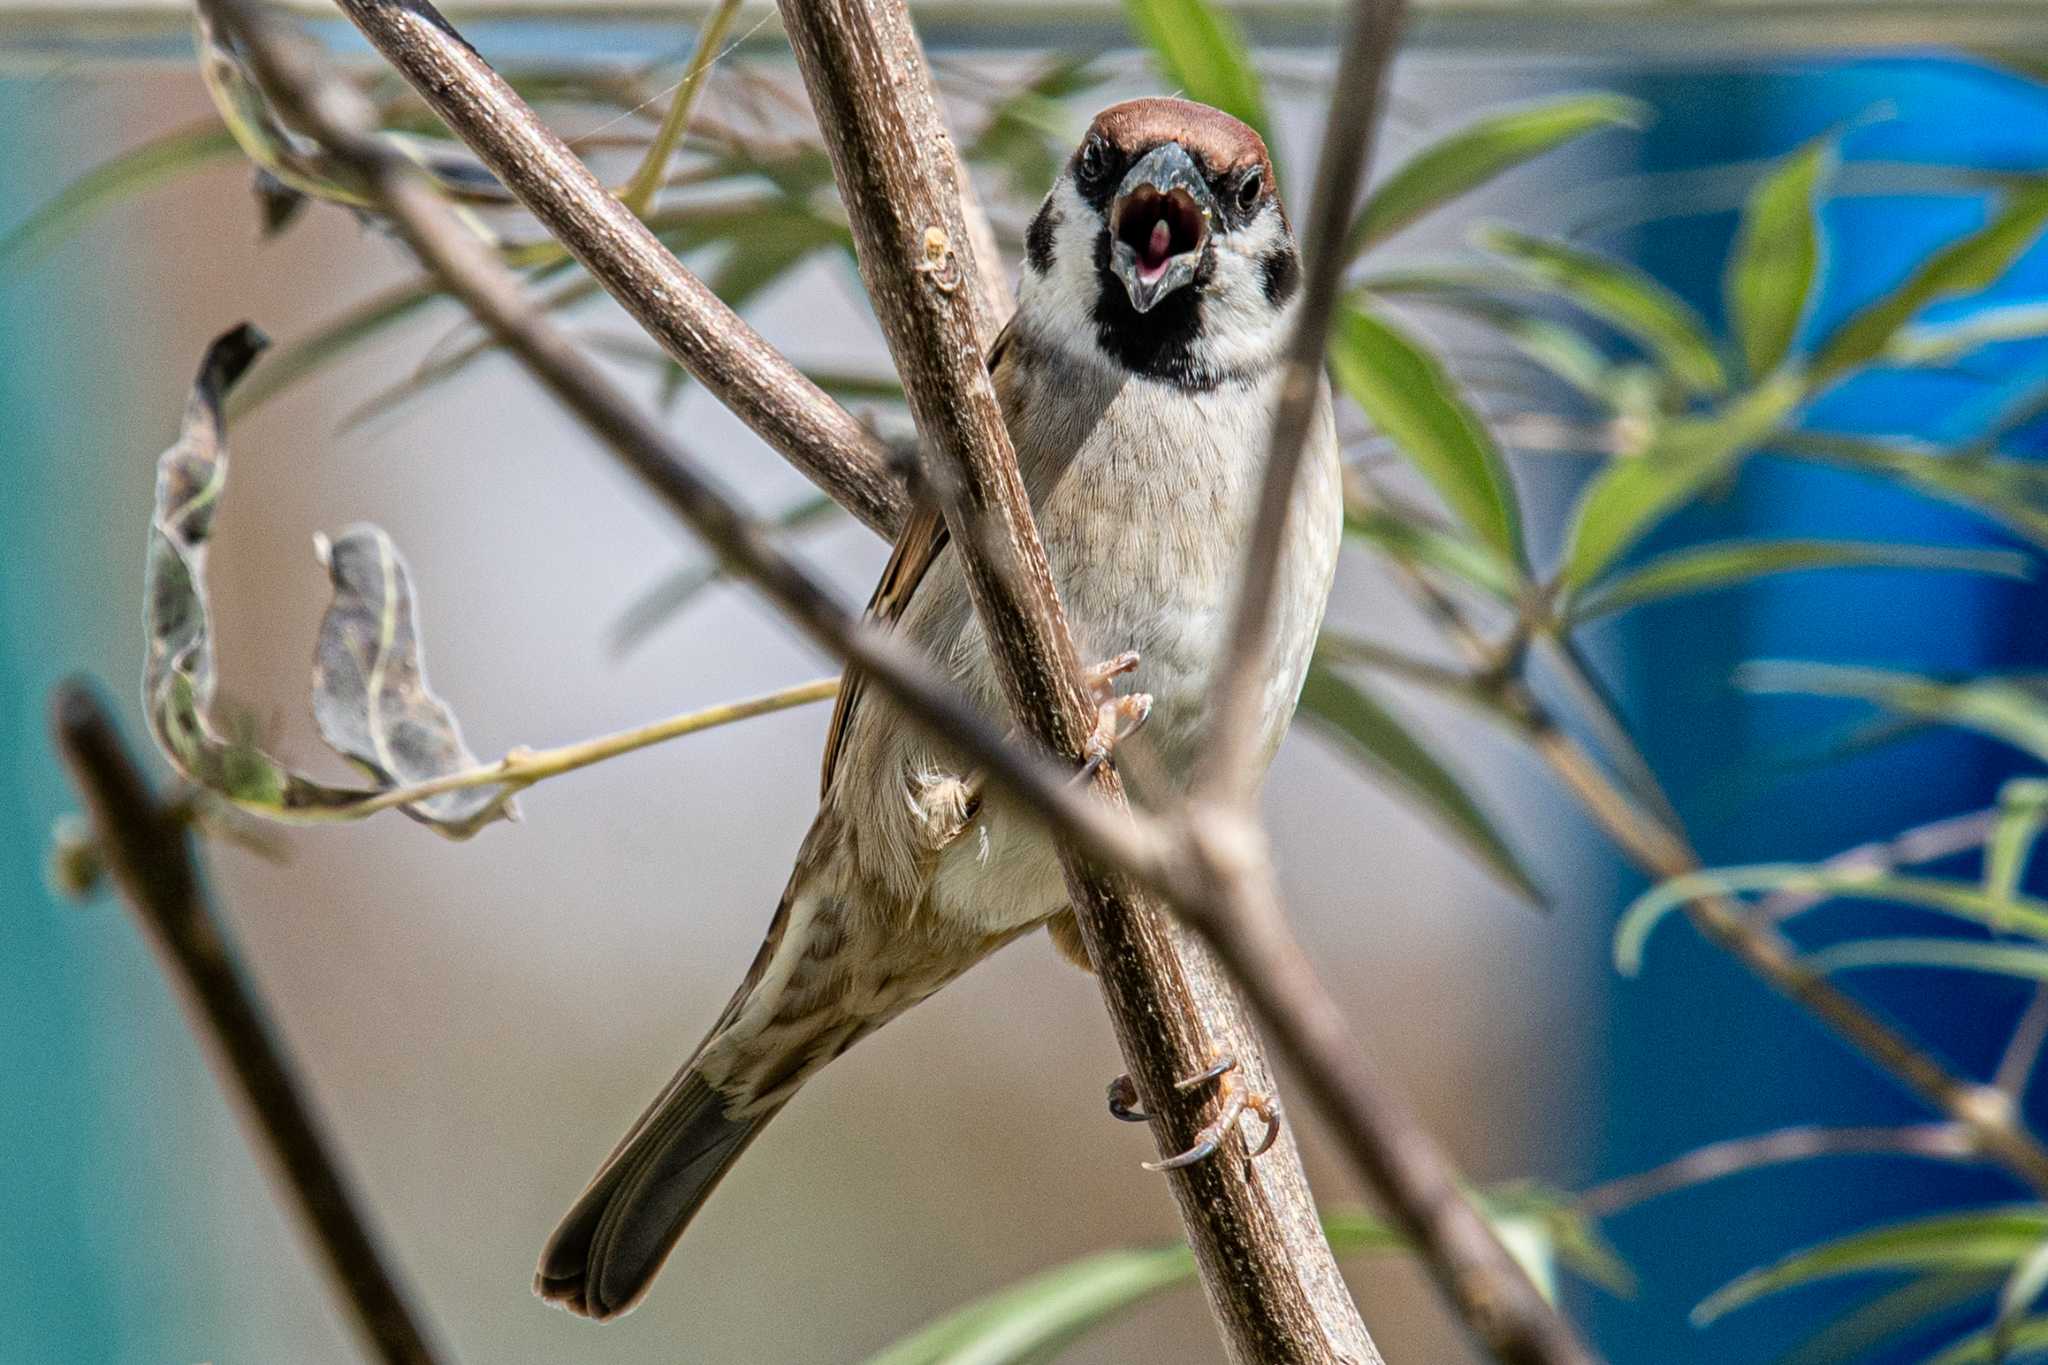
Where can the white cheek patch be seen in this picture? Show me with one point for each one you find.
(1060, 303)
(1241, 329)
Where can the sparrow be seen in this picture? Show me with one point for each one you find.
(1138, 379)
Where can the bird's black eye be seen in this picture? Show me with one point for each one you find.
(1249, 187)
(1091, 163)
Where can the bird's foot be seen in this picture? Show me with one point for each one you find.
(1098, 677)
(1116, 720)
(1237, 1098)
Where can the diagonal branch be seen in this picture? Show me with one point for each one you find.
(1380, 1131)
(1268, 1273)
(868, 87)
(147, 850)
(731, 360)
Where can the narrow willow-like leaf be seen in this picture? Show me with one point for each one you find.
(333, 340)
(1623, 296)
(1034, 1320)
(2010, 707)
(2026, 1339)
(1723, 564)
(1408, 394)
(2013, 493)
(1775, 262)
(1994, 1238)
(2022, 812)
(1632, 494)
(660, 603)
(1368, 730)
(156, 162)
(371, 698)
(1416, 543)
(403, 733)
(1965, 266)
(1027, 132)
(1552, 346)
(2015, 1297)
(1952, 954)
(1942, 343)
(1963, 900)
(1462, 161)
(1884, 1318)
(1204, 55)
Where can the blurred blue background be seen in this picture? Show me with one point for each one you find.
(480, 1021)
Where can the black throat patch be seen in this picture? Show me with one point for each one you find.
(1161, 344)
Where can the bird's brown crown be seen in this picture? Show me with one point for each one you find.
(1220, 142)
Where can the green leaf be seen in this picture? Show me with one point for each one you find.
(1635, 492)
(1971, 263)
(1775, 261)
(2026, 1338)
(1994, 1238)
(1956, 954)
(1409, 396)
(1028, 131)
(370, 692)
(1368, 730)
(1881, 1320)
(2022, 812)
(156, 162)
(332, 340)
(1942, 343)
(1622, 296)
(1464, 160)
(649, 611)
(1963, 900)
(1416, 543)
(1552, 346)
(1705, 568)
(1033, 1320)
(2013, 493)
(1203, 53)
(2010, 707)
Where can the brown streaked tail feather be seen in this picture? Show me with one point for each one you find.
(607, 1251)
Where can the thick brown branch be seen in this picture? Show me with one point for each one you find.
(1137, 847)
(728, 357)
(1266, 1269)
(149, 855)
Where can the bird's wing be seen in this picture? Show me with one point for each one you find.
(918, 546)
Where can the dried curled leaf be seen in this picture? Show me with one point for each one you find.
(370, 692)
(178, 680)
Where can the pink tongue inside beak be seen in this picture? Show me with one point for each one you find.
(1153, 263)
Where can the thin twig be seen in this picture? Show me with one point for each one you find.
(1931, 842)
(1133, 845)
(824, 441)
(334, 114)
(521, 768)
(147, 850)
(2023, 1049)
(638, 194)
(1356, 93)
(1946, 1141)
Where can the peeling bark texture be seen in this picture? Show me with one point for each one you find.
(1268, 1272)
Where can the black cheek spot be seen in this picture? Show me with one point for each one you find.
(1038, 238)
(1281, 268)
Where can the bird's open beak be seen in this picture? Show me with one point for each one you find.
(1159, 224)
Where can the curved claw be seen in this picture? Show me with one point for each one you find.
(1123, 1101)
(1237, 1099)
